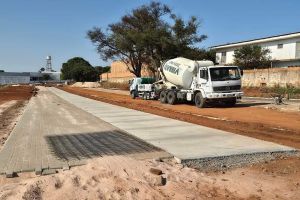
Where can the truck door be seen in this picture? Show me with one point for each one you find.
(203, 76)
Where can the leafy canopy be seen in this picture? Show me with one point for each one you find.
(252, 56)
(78, 69)
(149, 34)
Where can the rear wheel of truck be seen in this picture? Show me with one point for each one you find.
(171, 97)
(132, 94)
(199, 100)
(163, 97)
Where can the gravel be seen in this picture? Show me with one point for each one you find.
(235, 161)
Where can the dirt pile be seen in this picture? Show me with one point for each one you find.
(118, 177)
(86, 84)
(270, 125)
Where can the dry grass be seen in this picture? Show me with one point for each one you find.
(109, 85)
(288, 92)
(33, 193)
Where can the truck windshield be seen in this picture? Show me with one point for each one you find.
(147, 80)
(224, 73)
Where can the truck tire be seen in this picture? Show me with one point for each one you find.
(199, 100)
(171, 97)
(231, 103)
(145, 95)
(163, 97)
(132, 94)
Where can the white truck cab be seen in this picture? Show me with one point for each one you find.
(219, 82)
(142, 87)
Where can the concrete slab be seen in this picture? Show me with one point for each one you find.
(53, 134)
(183, 140)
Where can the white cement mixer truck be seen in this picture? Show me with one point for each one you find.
(200, 82)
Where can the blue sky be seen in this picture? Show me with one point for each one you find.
(32, 29)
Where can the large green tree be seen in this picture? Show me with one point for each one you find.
(252, 56)
(149, 34)
(78, 69)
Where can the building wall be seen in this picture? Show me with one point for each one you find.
(271, 77)
(120, 73)
(14, 80)
(288, 51)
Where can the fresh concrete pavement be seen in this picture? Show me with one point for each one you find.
(183, 140)
(53, 134)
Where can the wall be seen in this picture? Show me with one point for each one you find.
(272, 76)
(14, 80)
(119, 73)
(286, 53)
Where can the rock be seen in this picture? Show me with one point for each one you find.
(161, 181)
(209, 195)
(157, 160)
(155, 171)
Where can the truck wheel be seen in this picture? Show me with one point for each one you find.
(132, 94)
(199, 100)
(231, 103)
(163, 97)
(145, 96)
(171, 97)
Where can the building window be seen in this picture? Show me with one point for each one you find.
(223, 57)
(279, 46)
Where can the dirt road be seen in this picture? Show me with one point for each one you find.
(245, 119)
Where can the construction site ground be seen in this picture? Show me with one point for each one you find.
(126, 177)
(258, 119)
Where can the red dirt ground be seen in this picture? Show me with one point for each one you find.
(8, 93)
(244, 119)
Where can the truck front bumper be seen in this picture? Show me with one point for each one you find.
(214, 95)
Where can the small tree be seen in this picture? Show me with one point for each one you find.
(252, 56)
(46, 77)
(78, 69)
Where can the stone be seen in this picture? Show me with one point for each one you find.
(155, 171)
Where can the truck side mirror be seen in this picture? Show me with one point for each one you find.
(242, 72)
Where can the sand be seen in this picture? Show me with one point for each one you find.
(118, 177)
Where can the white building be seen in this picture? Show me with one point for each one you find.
(14, 78)
(285, 49)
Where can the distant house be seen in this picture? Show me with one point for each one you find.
(119, 73)
(285, 49)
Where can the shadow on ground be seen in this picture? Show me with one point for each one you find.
(97, 144)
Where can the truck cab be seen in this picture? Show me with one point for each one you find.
(142, 87)
(219, 83)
